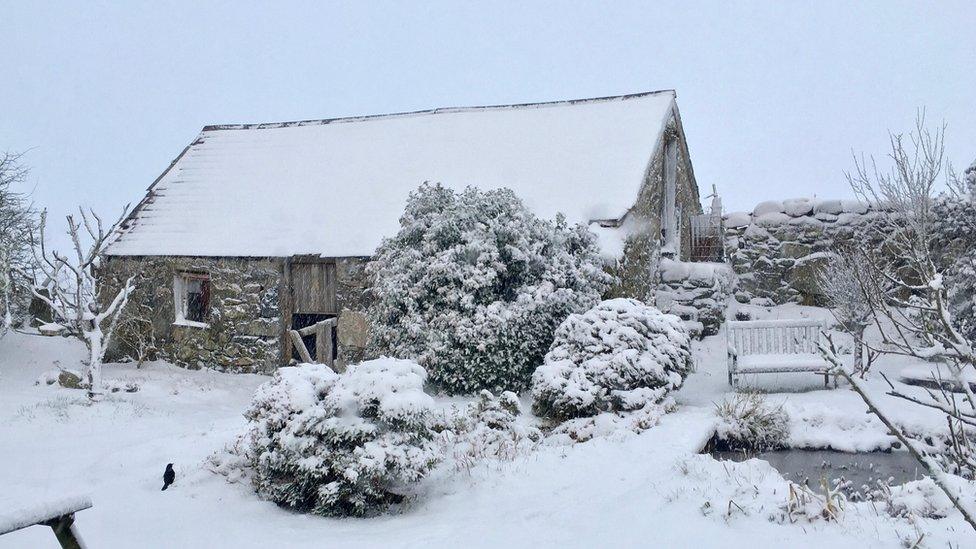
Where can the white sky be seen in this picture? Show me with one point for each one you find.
(773, 96)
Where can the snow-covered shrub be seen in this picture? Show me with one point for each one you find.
(473, 286)
(922, 498)
(489, 429)
(620, 355)
(748, 422)
(612, 425)
(955, 224)
(341, 445)
(233, 461)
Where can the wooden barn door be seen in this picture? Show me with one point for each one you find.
(313, 286)
(312, 298)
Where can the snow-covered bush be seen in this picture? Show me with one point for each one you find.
(748, 422)
(473, 286)
(955, 225)
(612, 425)
(620, 355)
(489, 429)
(341, 445)
(921, 498)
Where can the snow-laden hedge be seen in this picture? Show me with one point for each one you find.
(473, 286)
(618, 356)
(341, 444)
(489, 429)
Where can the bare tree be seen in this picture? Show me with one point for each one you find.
(17, 217)
(848, 302)
(906, 290)
(71, 289)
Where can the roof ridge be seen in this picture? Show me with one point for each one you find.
(438, 110)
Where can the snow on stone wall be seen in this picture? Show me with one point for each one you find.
(777, 249)
(243, 328)
(698, 293)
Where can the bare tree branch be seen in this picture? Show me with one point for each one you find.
(72, 289)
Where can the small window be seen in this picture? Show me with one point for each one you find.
(191, 292)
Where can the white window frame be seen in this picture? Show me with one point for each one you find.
(179, 301)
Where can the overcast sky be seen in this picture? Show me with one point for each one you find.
(773, 97)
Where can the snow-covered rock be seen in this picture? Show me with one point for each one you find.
(833, 207)
(797, 207)
(738, 219)
(767, 207)
(771, 218)
(50, 329)
(855, 207)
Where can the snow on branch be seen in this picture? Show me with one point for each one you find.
(902, 286)
(71, 287)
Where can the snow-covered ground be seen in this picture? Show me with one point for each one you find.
(652, 489)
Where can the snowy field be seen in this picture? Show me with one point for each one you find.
(652, 489)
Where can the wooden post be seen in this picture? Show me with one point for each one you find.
(323, 342)
(672, 244)
(299, 345)
(64, 530)
(286, 305)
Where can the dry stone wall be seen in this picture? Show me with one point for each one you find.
(778, 250)
(698, 293)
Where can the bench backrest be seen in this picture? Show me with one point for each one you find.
(775, 337)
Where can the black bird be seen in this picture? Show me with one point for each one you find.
(169, 476)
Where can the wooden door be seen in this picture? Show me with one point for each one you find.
(313, 288)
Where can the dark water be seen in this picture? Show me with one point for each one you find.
(856, 474)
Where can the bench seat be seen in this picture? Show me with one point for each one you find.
(759, 364)
(775, 346)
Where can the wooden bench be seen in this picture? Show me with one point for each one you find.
(775, 346)
(59, 514)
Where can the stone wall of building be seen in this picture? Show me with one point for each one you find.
(778, 250)
(244, 324)
(245, 331)
(353, 299)
(637, 267)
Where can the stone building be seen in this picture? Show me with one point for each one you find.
(258, 229)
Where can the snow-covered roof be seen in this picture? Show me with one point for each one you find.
(337, 187)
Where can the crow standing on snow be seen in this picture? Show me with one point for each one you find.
(169, 476)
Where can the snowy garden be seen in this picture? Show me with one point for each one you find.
(508, 399)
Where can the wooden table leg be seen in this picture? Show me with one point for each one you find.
(64, 530)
